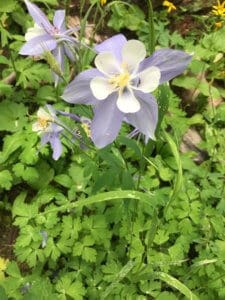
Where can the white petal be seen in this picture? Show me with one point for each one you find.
(42, 114)
(36, 127)
(133, 53)
(127, 103)
(32, 32)
(107, 63)
(101, 88)
(149, 80)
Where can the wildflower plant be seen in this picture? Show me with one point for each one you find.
(44, 37)
(219, 9)
(46, 126)
(116, 209)
(170, 6)
(119, 87)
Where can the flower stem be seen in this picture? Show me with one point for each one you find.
(151, 27)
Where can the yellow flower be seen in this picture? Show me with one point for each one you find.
(3, 265)
(219, 24)
(170, 6)
(103, 2)
(219, 9)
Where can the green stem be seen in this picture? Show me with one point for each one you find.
(13, 64)
(178, 184)
(151, 27)
(141, 167)
(67, 7)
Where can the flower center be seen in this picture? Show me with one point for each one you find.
(43, 123)
(55, 32)
(120, 80)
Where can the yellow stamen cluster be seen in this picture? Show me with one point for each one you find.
(170, 6)
(103, 2)
(121, 80)
(219, 9)
(43, 122)
(86, 128)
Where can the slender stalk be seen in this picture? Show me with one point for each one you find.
(141, 167)
(67, 7)
(151, 27)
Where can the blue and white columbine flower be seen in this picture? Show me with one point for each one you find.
(47, 37)
(49, 130)
(119, 87)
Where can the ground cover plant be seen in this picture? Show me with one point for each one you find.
(112, 170)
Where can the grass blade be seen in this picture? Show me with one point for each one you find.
(107, 196)
(173, 282)
(179, 178)
(123, 272)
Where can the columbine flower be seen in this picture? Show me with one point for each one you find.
(170, 6)
(49, 130)
(119, 88)
(219, 9)
(47, 37)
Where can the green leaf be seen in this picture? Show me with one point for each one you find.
(214, 41)
(11, 144)
(120, 276)
(51, 2)
(166, 296)
(30, 73)
(132, 144)
(51, 250)
(65, 245)
(13, 270)
(43, 178)
(89, 254)
(126, 16)
(12, 116)
(64, 180)
(4, 60)
(29, 154)
(5, 89)
(67, 286)
(5, 36)
(5, 179)
(161, 237)
(22, 209)
(7, 6)
(3, 295)
(46, 93)
(41, 288)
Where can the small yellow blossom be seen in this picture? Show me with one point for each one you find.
(219, 24)
(103, 2)
(3, 265)
(219, 9)
(170, 6)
